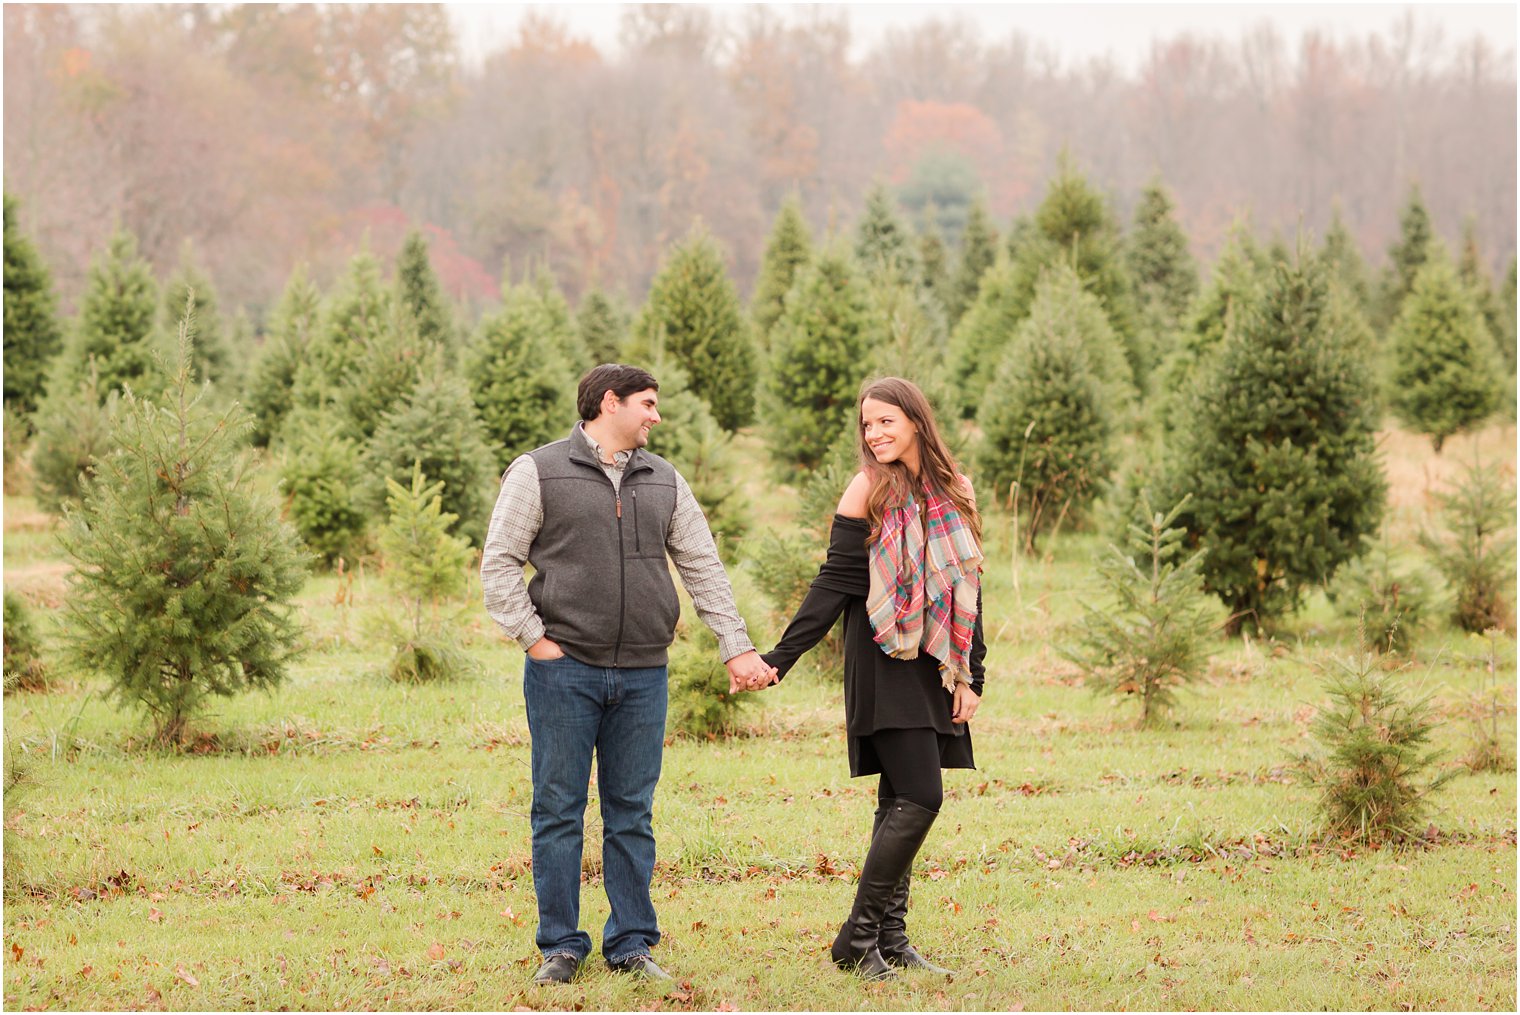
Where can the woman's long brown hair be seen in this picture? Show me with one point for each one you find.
(891, 482)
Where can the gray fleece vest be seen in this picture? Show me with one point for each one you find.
(603, 585)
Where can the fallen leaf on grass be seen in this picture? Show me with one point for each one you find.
(1157, 917)
(17, 951)
(181, 973)
(435, 951)
(155, 915)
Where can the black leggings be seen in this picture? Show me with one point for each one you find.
(909, 767)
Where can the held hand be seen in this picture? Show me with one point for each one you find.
(544, 650)
(967, 702)
(748, 672)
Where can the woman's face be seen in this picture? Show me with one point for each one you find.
(889, 434)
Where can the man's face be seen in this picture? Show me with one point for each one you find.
(632, 417)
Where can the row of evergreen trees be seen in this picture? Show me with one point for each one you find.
(1063, 340)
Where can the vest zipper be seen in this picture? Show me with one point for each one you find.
(617, 648)
(635, 495)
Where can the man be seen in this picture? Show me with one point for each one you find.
(596, 515)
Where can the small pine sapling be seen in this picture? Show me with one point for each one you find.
(1376, 773)
(184, 575)
(1491, 740)
(1476, 552)
(24, 669)
(785, 563)
(700, 703)
(320, 475)
(425, 566)
(1388, 602)
(1151, 640)
(73, 431)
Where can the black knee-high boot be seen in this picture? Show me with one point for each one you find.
(899, 835)
(893, 942)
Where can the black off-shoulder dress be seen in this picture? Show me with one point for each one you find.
(880, 693)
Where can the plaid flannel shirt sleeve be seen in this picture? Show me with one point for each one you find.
(514, 525)
(691, 547)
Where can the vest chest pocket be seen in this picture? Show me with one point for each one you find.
(651, 508)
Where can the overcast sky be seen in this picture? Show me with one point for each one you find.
(1075, 31)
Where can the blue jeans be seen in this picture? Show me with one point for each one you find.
(620, 713)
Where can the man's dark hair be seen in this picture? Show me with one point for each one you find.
(621, 380)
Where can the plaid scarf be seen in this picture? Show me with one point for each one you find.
(925, 573)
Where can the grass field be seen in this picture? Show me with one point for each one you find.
(349, 843)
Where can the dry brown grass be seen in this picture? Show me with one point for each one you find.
(43, 584)
(1416, 474)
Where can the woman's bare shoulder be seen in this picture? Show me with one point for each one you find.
(852, 504)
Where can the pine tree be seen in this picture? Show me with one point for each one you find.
(213, 353)
(1149, 639)
(985, 331)
(693, 315)
(602, 325)
(701, 705)
(1076, 221)
(1446, 375)
(1074, 227)
(73, 432)
(521, 384)
(1278, 453)
(978, 252)
(384, 372)
(1166, 278)
(1374, 773)
(24, 668)
(424, 564)
(1235, 288)
(789, 248)
(184, 576)
(1047, 423)
(1475, 276)
(1507, 310)
(818, 359)
(558, 323)
(421, 295)
(934, 270)
(702, 452)
(1476, 550)
(910, 341)
(320, 475)
(1343, 258)
(438, 429)
(1406, 257)
(1387, 603)
(32, 333)
(884, 244)
(355, 318)
(271, 388)
(115, 326)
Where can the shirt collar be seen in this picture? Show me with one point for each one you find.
(619, 460)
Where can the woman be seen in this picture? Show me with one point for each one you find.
(904, 567)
